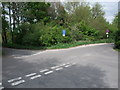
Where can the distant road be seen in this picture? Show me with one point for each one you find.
(90, 66)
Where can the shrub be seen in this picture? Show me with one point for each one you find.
(53, 35)
(76, 34)
(32, 37)
(117, 39)
(81, 31)
(20, 32)
(44, 35)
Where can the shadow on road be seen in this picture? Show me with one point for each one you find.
(17, 52)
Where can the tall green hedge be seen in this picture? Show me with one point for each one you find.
(117, 39)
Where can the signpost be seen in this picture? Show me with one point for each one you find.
(63, 32)
(107, 32)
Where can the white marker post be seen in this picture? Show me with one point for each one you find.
(107, 33)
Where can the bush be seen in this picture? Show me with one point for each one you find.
(32, 36)
(45, 35)
(53, 35)
(81, 31)
(117, 39)
(20, 32)
(76, 34)
(89, 38)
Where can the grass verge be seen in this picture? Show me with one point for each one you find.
(59, 45)
(117, 50)
(73, 44)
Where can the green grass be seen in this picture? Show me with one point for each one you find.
(59, 46)
(73, 44)
(117, 49)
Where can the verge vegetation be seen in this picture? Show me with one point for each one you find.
(39, 25)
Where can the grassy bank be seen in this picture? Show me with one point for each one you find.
(117, 49)
(73, 44)
(60, 45)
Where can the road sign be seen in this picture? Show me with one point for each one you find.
(63, 32)
(107, 31)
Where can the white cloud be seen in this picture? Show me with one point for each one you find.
(103, 0)
(109, 18)
(110, 8)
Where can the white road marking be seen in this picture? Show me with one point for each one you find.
(63, 64)
(0, 84)
(18, 82)
(25, 56)
(48, 72)
(29, 75)
(1, 88)
(73, 63)
(34, 77)
(54, 67)
(58, 68)
(67, 65)
(44, 70)
(11, 80)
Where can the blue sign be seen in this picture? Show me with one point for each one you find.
(63, 32)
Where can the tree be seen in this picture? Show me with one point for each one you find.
(97, 11)
(52, 11)
(117, 37)
(4, 24)
(71, 6)
(57, 12)
(35, 12)
(98, 20)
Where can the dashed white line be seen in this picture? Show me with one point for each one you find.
(63, 64)
(73, 63)
(11, 80)
(48, 72)
(29, 75)
(44, 70)
(54, 67)
(67, 65)
(34, 77)
(18, 82)
(58, 68)
(37, 76)
(1, 88)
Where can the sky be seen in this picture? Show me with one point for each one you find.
(110, 9)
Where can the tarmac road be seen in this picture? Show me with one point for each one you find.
(90, 66)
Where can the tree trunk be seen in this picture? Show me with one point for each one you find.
(4, 36)
(10, 24)
(14, 19)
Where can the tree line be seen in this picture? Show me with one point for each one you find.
(41, 23)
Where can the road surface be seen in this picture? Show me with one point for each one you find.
(90, 66)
